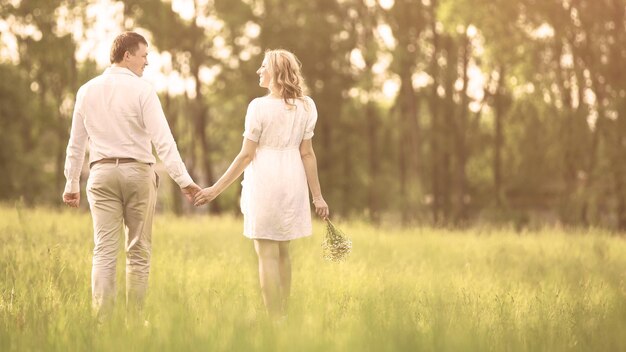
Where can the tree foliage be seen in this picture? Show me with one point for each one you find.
(500, 110)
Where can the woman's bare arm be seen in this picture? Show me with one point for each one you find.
(236, 168)
(310, 168)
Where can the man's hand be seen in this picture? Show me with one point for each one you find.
(71, 199)
(206, 195)
(190, 191)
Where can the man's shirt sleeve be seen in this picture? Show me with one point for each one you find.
(162, 139)
(75, 153)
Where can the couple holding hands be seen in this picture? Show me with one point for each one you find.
(119, 115)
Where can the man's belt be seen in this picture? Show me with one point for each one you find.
(113, 161)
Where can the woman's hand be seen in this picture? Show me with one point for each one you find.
(321, 208)
(205, 195)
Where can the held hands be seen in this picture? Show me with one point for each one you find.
(206, 195)
(190, 191)
(71, 199)
(321, 208)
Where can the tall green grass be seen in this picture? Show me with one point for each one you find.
(401, 290)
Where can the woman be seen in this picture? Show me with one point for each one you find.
(278, 158)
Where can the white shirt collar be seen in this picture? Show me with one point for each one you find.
(119, 70)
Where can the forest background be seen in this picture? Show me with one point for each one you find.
(441, 112)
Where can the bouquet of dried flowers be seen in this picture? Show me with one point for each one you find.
(336, 244)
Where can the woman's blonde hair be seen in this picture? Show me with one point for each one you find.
(286, 76)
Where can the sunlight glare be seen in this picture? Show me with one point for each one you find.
(544, 31)
(356, 59)
(421, 80)
(386, 4)
(386, 34)
(184, 8)
(390, 88)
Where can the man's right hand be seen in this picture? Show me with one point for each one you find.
(190, 191)
(71, 199)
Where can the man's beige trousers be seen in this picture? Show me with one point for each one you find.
(121, 195)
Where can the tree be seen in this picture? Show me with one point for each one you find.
(190, 44)
(46, 58)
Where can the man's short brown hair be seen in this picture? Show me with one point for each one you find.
(127, 41)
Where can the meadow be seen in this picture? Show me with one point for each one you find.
(422, 289)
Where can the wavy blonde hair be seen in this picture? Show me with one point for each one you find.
(286, 76)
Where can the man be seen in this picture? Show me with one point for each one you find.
(121, 117)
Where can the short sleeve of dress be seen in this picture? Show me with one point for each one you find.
(253, 124)
(312, 119)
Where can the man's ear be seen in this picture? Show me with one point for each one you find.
(126, 55)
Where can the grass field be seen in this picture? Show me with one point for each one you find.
(401, 290)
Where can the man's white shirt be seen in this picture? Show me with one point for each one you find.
(120, 116)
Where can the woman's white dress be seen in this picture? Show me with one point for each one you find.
(275, 195)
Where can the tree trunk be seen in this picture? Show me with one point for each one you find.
(177, 205)
(202, 122)
(599, 134)
(374, 164)
(498, 137)
(447, 132)
(617, 77)
(434, 111)
(409, 157)
(461, 130)
(402, 175)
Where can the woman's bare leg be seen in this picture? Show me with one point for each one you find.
(269, 274)
(284, 264)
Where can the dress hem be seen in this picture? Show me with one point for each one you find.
(274, 239)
